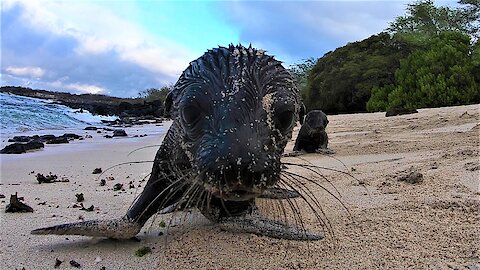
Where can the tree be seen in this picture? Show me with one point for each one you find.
(470, 13)
(152, 94)
(342, 80)
(300, 73)
(441, 75)
(424, 20)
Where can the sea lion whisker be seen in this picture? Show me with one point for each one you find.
(297, 213)
(297, 216)
(200, 199)
(126, 163)
(304, 190)
(323, 177)
(320, 186)
(209, 200)
(315, 201)
(317, 167)
(289, 185)
(278, 212)
(141, 148)
(303, 187)
(157, 197)
(189, 196)
(221, 196)
(280, 203)
(326, 223)
(136, 189)
(321, 168)
(172, 193)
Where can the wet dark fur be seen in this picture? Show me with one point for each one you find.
(312, 135)
(220, 131)
(233, 111)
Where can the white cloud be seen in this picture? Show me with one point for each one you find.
(34, 72)
(98, 30)
(78, 87)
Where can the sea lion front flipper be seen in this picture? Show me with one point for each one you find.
(266, 227)
(279, 194)
(122, 228)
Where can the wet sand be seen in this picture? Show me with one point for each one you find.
(375, 221)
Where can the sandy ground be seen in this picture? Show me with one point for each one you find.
(376, 222)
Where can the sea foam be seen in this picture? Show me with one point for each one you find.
(22, 114)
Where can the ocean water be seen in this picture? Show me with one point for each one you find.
(23, 114)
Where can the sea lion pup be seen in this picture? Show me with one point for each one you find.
(312, 136)
(233, 111)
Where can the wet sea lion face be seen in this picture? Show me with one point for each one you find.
(236, 107)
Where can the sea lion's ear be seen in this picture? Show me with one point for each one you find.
(168, 105)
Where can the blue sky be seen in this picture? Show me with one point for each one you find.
(122, 47)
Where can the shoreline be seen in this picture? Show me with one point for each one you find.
(432, 224)
(148, 129)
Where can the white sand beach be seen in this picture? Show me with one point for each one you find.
(383, 223)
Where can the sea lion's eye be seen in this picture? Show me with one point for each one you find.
(191, 114)
(284, 120)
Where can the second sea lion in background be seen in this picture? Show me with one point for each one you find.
(312, 136)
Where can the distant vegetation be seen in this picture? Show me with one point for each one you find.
(430, 57)
(153, 94)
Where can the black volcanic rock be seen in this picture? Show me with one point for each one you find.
(20, 148)
(20, 139)
(71, 136)
(23, 144)
(90, 128)
(16, 205)
(14, 148)
(58, 140)
(47, 137)
(119, 133)
(34, 144)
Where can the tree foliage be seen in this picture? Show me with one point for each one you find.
(153, 94)
(300, 73)
(425, 18)
(443, 69)
(441, 75)
(341, 80)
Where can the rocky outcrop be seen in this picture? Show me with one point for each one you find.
(20, 147)
(22, 144)
(119, 133)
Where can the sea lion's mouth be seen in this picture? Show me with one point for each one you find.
(235, 184)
